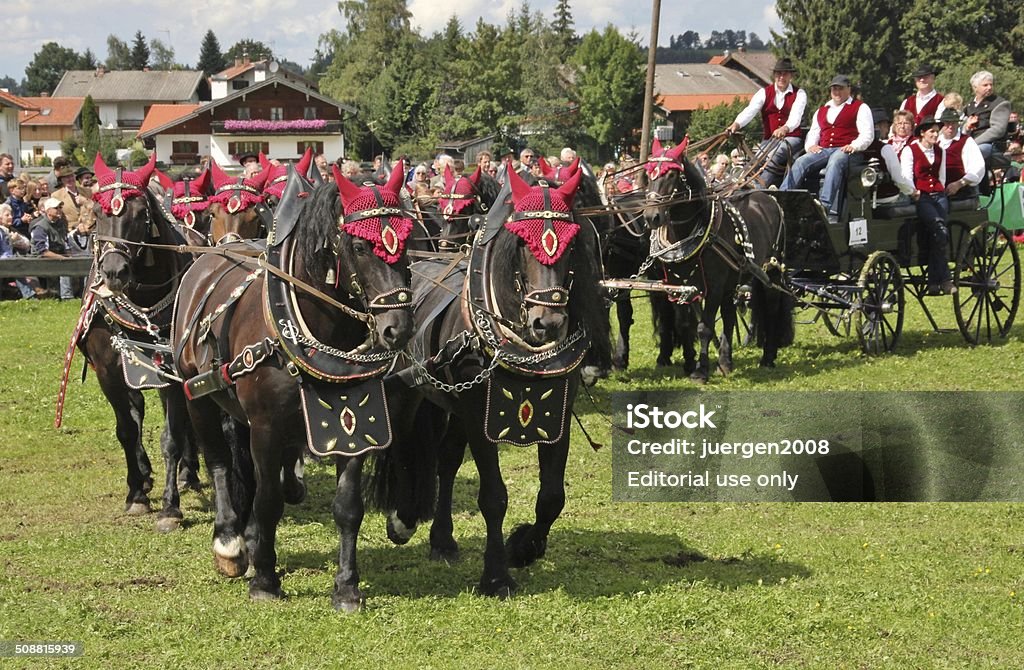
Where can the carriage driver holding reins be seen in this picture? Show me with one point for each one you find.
(782, 106)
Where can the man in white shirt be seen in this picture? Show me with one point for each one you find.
(965, 166)
(781, 106)
(840, 128)
(927, 101)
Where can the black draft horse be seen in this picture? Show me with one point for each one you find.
(123, 331)
(499, 345)
(713, 242)
(300, 369)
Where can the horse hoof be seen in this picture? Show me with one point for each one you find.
(137, 509)
(502, 589)
(294, 493)
(147, 485)
(398, 532)
(168, 524)
(591, 374)
(447, 555)
(265, 595)
(190, 484)
(663, 362)
(620, 364)
(522, 548)
(349, 601)
(699, 377)
(229, 559)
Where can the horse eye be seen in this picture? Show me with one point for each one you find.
(360, 247)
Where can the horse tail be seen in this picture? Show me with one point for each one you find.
(403, 477)
(771, 311)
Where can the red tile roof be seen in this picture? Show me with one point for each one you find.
(11, 100)
(160, 115)
(689, 103)
(51, 111)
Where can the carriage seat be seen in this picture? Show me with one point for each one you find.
(910, 211)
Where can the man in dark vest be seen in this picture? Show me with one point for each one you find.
(840, 128)
(49, 233)
(965, 166)
(781, 106)
(927, 101)
(988, 115)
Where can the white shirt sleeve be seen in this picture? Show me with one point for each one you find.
(974, 162)
(907, 167)
(895, 169)
(796, 113)
(865, 129)
(814, 134)
(942, 169)
(752, 109)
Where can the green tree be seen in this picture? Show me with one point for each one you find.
(88, 61)
(976, 30)
(90, 128)
(140, 52)
(48, 66)
(706, 122)
(818, 37)
(211, 60)
(12, 85)
(254, 50)
(564, 29)
(119, 56)
(610, 86)
(162, 56)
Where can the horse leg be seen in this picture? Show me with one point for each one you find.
(188, 466)
(728, 311)
(687, 333)
(528, 542)
(129, 411)
(624, 312)
(348, 516)
(664, 318)
(443, 546)
(173, 439)
(493, 502)
(229, 550)
(267, 508)
(705, 333)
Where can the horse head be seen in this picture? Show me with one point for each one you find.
(277, 177)
(672, 180)
(124, 222)
(544, 230)
(459, 201)
(188, 201)
(235, 206)
(369, 254)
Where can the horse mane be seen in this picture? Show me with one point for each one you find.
(316, 230)
(585, 303)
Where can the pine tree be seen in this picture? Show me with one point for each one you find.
(90, 128)
(564, 30)
(140, 52)
(211, 60)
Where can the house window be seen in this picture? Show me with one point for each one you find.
(277, 113)
(239, 84)
(309, 113)
(318, 147)
(238, 148)
(243, 113)
(37, 153)
(185, 147)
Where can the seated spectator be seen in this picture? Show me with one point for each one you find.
(719, 170)
(16, 244)
(924, 166)
(49, 235)
(1016, 155)
(954, 101)
(484, 161)
(6, 174)
(781, 106)
(887, 154)
(86, 178)
(987, 115)
(21, 209)
(52, 180)
(703, 163)
(965, 166)
(840, 128)
(927, 101)
(76, 199)
(567, 155)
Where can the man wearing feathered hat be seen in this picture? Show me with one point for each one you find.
(781, 106)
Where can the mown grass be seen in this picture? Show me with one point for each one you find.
(926, 585)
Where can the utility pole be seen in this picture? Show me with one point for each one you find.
(652, 52)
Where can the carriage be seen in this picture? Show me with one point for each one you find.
(855, 274)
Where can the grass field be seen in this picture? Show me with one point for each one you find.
(925, 585)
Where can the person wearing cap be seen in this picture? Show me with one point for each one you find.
(250, 162)
(924, 166)
(988, 115)
(840, 128)
(85, 177)
(76, 199)
(965, 166)
(927, 101)
(1015, 153)
(49, 235)
(781, 106)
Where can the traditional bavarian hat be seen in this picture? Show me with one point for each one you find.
(784, 65)
(841, 80)
(246, 155)
(66, 171)
(949, 115)
(375, 213)
(923, 70)
(926, 123)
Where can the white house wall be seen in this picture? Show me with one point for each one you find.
(282, 147)
(51, 149)
(10, 135)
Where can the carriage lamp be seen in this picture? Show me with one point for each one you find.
(869, 177)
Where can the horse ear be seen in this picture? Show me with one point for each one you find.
(397, 177)
(448, 177)
(259, 179)
(302, 167)
(264, 161)
(545, 168)
(568, 189)
(220, 178)
(146, 171)
(520, 189)
(475, 177)
(202, 182)
(346, 188)
(100, 168)
(656, 149)
(164, 180)
(675, 152)
(574, 166)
